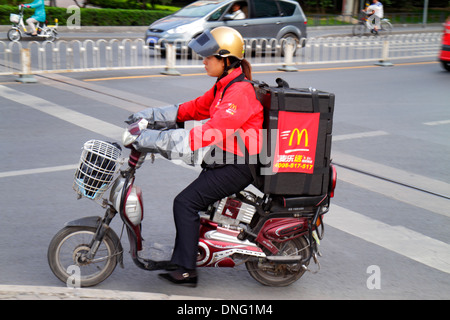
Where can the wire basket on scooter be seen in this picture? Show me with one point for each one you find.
(98, 166)
(14, 18)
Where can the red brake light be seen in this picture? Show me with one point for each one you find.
(333, 181)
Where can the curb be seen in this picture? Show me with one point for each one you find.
(16, 292)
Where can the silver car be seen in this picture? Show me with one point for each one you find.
(280, 19)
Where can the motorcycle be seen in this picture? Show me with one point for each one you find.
(275, 237)
(18, 30)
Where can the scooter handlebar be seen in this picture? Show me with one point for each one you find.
(136, 158)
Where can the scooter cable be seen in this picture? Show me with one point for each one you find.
(392, 181)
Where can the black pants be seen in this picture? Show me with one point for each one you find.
(211, 186)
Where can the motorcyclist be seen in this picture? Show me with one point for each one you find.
(38, 16)
(234, 113)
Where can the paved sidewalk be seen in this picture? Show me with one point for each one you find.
(13, 292)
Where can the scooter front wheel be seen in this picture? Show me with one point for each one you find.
(14, 35)
(68, 257)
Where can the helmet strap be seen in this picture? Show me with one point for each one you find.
(227, 67)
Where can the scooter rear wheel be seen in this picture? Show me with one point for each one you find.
(276, 274)
(359, 30)
(50, 35)
(67, 257)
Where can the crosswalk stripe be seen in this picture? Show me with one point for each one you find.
(436, 123)
(401, 240)
(79, 119)
(388, 172)
(15, 173)
(358, 135)
(398, 192)
(406, 242)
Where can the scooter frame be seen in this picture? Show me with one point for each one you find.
(18, 30)
(216, 244)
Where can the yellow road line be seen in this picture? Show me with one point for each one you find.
(256, 72)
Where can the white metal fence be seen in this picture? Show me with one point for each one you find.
(90, 55)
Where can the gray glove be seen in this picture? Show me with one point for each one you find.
(161, 118)
(171, 144)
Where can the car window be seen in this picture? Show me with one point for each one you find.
(241, 13)
(287, 9)
(198, 9)
(265, 8)
(217, 14)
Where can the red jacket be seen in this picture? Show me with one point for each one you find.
(239, 109)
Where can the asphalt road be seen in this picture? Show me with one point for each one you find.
(386, 234)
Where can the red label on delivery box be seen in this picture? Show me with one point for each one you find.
(297, 141)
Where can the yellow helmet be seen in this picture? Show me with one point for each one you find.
(221, 41)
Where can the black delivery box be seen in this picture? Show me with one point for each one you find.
(295, 159)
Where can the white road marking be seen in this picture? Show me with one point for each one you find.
(37, 170)
(398, 192)
(358, 135)
(79, 119)
(411, 244)
(381, 170)
(436, 123)
(401, 240)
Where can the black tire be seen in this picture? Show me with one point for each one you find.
(359, 30)
(289, 37)
(446, 65)
(69, 244)
(280, 275)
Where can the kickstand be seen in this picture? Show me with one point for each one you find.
(316, 261)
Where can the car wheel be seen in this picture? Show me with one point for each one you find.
(289, 39)
(446, 65)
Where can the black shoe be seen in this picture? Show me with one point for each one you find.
(181, 276)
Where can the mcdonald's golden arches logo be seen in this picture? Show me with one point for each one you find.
(299, 136)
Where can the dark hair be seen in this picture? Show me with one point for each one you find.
(234, 62)
(246, 68)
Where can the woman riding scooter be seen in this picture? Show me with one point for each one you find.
(38, 16)
(234, 114)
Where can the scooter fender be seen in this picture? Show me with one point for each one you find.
(84, 222)
(93, 222)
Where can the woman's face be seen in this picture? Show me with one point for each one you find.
(214, 67)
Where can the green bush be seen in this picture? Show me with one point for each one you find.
(116, 4)
(92, 17)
